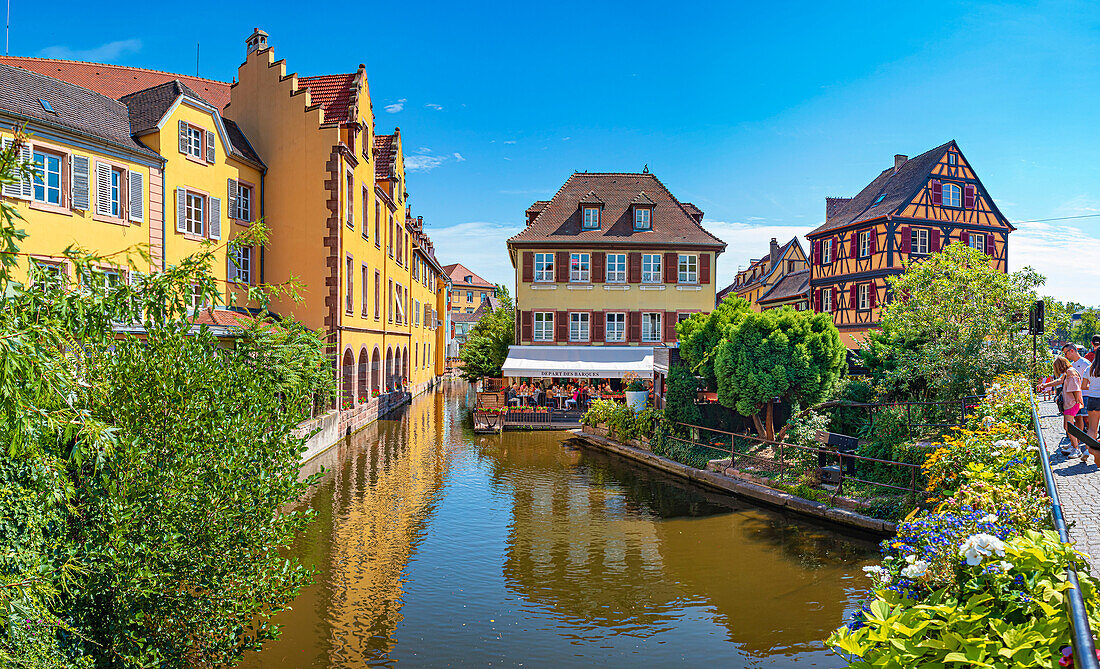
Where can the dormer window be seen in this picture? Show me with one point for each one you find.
(952, 159)
(591, 218)
(643, 218)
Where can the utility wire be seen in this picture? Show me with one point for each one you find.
(1060, 218)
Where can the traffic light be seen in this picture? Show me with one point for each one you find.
(1035, 324)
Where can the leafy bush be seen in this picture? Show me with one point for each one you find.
(621, 420)
(680, 392)
(666, 446)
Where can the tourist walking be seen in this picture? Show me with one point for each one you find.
(1092, 394)
(1072, 399)
(1081, 364)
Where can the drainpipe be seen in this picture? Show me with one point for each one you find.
(163, 217)
(263, 175)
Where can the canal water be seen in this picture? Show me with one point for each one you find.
(437, 547)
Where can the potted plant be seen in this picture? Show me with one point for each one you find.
(636, 393)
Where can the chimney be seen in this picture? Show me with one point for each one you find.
(256, 41)
(899, 160)
(774, 253)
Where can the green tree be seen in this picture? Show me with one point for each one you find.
(700, 334)
(486, 347)
(1059, 320)
(794, 356)
(145, 491)
(957, 319)
(680, 392)
(1086, 327)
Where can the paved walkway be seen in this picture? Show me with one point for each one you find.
(1078, 486)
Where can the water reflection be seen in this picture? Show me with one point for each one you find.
(435, 546)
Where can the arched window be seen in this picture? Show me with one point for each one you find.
(347, 389)
(376, 371)
(364, 373)
(952, 195)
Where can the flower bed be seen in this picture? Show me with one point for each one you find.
(979, 580)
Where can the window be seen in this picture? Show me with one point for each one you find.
(366, 213)
(878, 199)
(240, 270)
(196, 297)
(864, 243)
(920, 244)
(47, 178)
(416, 313)
(377, 225)
(689, 269)
(364, 278)
(116, 192)
(544, 267)
(108, 279)
(616, 267)
(616, 328)
(827, 300)
(50, 274)
(244, 203)
(377, 294)
(544, 326)
(349, 263)
(977, 241)
(591, 218)
(651, 327)
(952, 195)
(578, 267)
(389, 240)
(389, 312)
(827, 251)
(863, 296)
(952, 159)
(642, 218)
(195, 208)
(469, 310)
(578, 326)
(484, 297)
(469, 296)
(350, 216)
(194, 142)
(651, 268)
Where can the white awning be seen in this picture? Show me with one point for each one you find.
(599, 362)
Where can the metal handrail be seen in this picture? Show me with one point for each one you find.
(1084, 648)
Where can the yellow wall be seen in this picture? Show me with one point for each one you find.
(50, 230)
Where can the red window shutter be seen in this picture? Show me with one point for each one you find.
(934, 241)
(970, 194)
(634, 267)
(836, 249)
(528, 266)
(561, 266)
(634, 327)
(704, 268)
(561, 325)
(670, 325)
(817, 252)
(832, 298)
(853, 296)
(599, 269)
(937, 192)
(874, 242)
(872, 294)
(853, 245)
(965, 237)
(816, 295)
(672, 268)
(906, 240)
(597, 324)
(990, 245)
(526, 329)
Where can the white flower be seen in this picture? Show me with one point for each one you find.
(1006, 443)
(991, 518)
(1033, 449)
(915, 569)
(1006, 565)
(878, 573)
(979, 546)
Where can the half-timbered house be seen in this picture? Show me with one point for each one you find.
(758, 283)
(917, 207)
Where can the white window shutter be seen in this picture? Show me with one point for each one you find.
(230, 267)
(231, 198)
(26, 154)
(12, 190)
(215, 218)
(102, 189)
(137, 196)
(181, 210)
(81, 188)
(183, 137)
(209, 146)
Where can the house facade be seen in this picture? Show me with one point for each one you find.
(912, 209)
(613, 259)
(765, 283)
(469, 291)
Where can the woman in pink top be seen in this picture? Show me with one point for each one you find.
(1072, 398)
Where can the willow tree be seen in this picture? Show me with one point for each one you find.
(777, 355)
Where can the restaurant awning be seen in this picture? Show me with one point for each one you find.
(598, 362)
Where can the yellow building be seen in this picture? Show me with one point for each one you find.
(780, 278)
(468, 290)
(98, 188)
(335, 203)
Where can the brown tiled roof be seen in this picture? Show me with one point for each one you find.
(790, 286)
(115, 81)
(695, 212)
(333, 92)
(458, 272)
(222, 318)
(240, 142)
(463, 317)
(537, 206)
(898, 189)
(385, 156)
(75, 108)
(560, 220)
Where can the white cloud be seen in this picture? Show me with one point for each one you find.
(432, 105)
(423, 162)
(566, 139)
(509, 141)
(1065, 255)
(458, 157)
(746, 242)
(480, 246)
(396, 106)
(103, 52)
(423, 149)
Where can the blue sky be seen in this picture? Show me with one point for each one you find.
(754, 111)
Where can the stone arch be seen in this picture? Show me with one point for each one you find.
(363, 391)
(389, 369)
(347, 385)
(376, 371)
